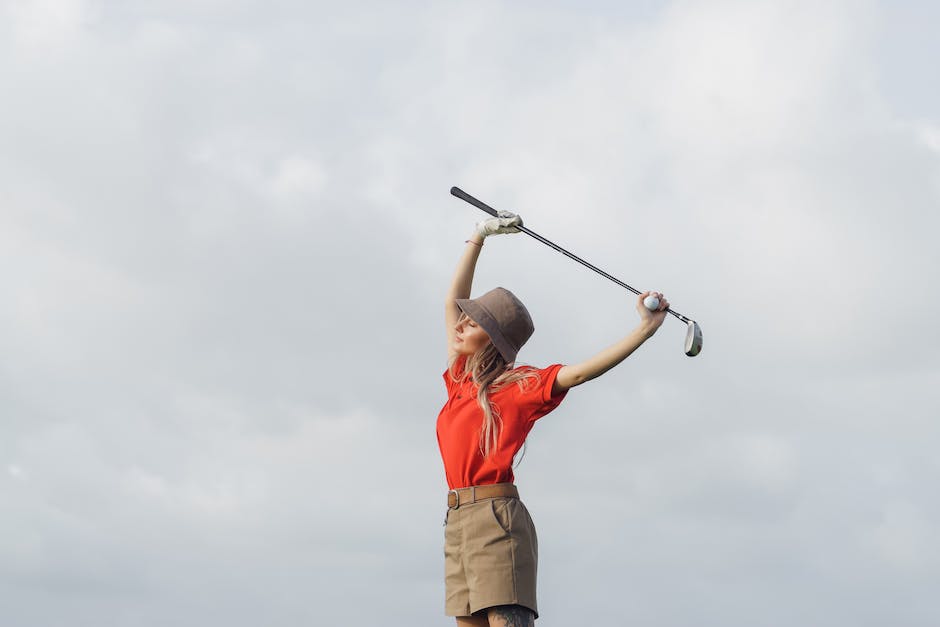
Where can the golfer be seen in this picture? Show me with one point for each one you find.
(490, 546)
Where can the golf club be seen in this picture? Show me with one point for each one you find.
(693, 336)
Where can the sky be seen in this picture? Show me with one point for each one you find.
(226, 232)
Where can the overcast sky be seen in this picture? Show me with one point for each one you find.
(226, 232)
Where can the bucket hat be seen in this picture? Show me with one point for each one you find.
(504, 318)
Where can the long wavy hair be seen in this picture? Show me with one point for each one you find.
(490, 372)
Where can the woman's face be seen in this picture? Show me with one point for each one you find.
(469, 337)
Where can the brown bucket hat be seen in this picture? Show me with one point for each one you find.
(504, 318)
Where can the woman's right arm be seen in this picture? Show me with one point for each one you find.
(576, 374)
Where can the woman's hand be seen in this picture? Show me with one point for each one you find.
(505, 223)
(652, 320)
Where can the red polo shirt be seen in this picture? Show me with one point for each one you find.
(460, 421)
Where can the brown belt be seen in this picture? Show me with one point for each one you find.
(465, 496)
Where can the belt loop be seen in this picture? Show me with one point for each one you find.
(473, 494)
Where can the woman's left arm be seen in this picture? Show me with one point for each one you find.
(576, 374)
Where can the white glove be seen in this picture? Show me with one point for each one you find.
(505, 223)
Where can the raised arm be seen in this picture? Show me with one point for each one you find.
(463, 276)
(460, 286)
(576, 374)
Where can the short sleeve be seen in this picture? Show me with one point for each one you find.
(537, 398)
(548, 376)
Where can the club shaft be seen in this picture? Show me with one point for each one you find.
(459, 193)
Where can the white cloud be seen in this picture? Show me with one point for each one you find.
(225, 231)
(904, 538)
(298, 177)
(929, 135)
(48, 23)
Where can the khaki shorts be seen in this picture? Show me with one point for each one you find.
(490, 556)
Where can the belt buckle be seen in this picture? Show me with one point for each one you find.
(456, 498)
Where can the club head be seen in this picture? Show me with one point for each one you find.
(693, 339)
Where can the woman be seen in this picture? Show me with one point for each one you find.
(491, 550)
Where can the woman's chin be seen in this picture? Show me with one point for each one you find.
(461, 349)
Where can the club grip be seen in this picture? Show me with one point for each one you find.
(479, 204)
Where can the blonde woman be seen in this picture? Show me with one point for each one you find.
(490, 547)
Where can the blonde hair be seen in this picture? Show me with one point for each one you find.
(489, 372)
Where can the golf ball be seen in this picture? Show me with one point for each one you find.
(651, 302)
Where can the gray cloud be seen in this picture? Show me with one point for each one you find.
(225, 236)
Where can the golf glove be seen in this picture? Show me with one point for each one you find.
(505, 223)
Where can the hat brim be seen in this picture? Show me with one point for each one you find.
(478, 313)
